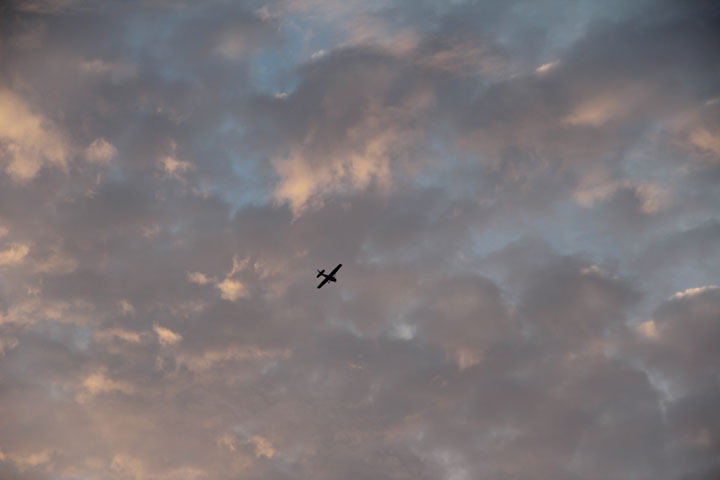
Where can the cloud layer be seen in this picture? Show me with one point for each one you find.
(524, 196)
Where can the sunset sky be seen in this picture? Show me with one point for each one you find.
(525, 196)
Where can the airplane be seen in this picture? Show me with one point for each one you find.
(328, 278)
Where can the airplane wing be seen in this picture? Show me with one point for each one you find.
(325, 280)
(336, 269)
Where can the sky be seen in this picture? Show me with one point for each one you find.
(525, 196)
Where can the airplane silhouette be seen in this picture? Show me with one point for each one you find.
(328, 277)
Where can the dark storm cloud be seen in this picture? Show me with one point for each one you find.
(523, 196)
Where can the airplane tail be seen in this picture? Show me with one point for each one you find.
(320, 273)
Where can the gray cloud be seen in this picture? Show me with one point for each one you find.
(523, 196)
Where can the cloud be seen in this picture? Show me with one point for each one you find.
(705, 140)
(678, 358)
(546, 67)
(347, 145)
(567, 303)
(227, 441)
(238, 265)
(263, 447)
(135, 467)
(57, 262)
(118, 72)
(197, 277)
(126, 307)
(14, 254)
(459, 57)
(684, 322)
(106, 336)
(29, 139)
(473, 315)
(7, 344)
(691, 292)
(100, 151)
(210, 359)
(652, 197)
(232, 289)
(174, 167)
(318, 54)
(595, 112)
(99, 383)
(647, 329)
(166, 336)
(29, 460)
(127, 464)
(47, 6)
(523, 196)
(33, 308)
(232, 46)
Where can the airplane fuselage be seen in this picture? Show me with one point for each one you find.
(329, 277)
